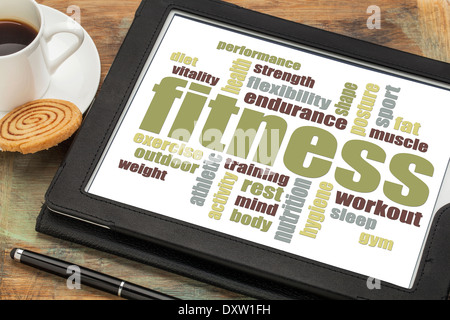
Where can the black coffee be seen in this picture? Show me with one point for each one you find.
(14, 36)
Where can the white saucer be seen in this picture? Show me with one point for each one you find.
(78, 78)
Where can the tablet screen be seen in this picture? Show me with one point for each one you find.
(282, 145)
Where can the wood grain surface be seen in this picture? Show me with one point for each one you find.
(421, 27)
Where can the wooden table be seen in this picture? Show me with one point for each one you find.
(421, 27)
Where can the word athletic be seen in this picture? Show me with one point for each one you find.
(195, 75)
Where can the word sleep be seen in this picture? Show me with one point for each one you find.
(351, 218)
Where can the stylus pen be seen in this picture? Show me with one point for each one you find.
(87, 277)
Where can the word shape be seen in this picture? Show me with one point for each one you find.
(346, 99)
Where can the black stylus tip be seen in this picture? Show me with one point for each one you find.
(13, 251)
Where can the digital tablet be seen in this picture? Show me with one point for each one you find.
(289, 153)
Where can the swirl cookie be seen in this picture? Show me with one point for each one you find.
(38, 125)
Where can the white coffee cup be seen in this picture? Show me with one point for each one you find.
(25, 75)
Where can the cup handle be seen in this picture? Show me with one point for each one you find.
(64, 27)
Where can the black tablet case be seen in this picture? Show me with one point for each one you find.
(302, 278)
